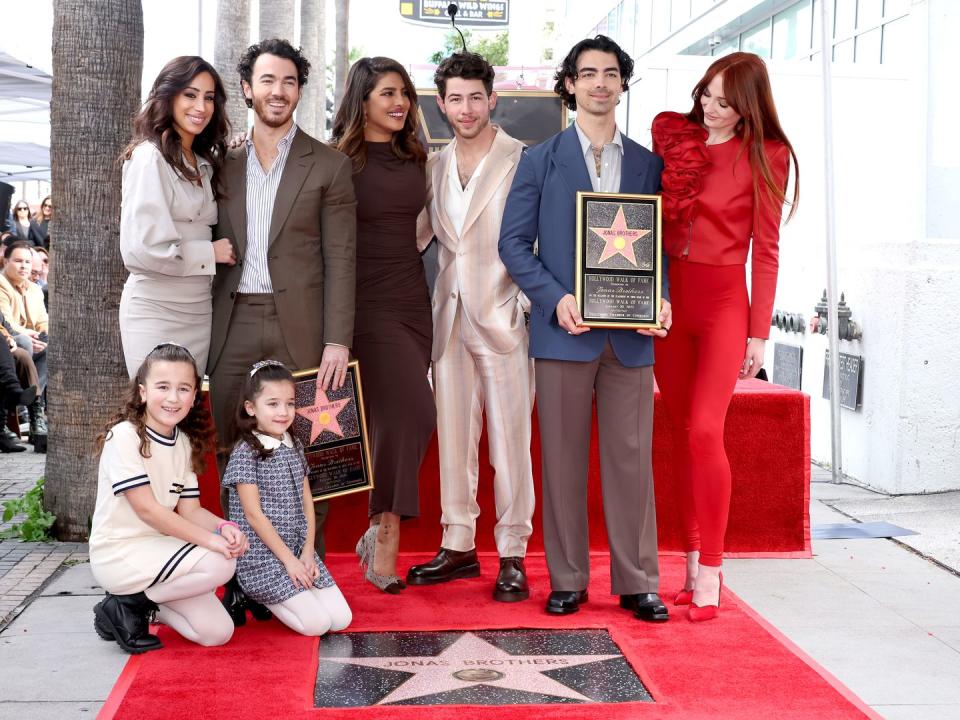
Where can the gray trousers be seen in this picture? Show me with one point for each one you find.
(624, 395)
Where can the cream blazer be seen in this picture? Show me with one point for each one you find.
(24, 311)
(469, 264)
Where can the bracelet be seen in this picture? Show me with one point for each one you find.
(223, 523)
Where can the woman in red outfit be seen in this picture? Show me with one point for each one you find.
(724, 185)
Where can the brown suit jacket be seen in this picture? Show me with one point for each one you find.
(311, 249)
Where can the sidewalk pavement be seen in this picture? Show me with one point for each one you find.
(883, 616)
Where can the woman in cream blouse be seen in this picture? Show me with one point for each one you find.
(167, 212)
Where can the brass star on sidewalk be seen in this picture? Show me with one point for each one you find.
(472, 661)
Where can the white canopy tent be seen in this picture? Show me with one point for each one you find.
(24, 121)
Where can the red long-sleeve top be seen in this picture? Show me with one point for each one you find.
(719, 227)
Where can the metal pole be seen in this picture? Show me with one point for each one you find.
(826, 56)
(200, 28)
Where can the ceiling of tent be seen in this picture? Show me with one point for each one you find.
(24, 121)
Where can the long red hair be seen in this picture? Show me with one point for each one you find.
(746, 88)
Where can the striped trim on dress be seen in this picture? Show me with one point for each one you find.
(168, 440)
(121, 486)
(167, 570)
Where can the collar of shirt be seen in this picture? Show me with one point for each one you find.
(284, 141)
(271, 443)
(588, 146)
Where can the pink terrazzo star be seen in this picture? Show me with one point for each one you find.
(619, 239)
(323, 414)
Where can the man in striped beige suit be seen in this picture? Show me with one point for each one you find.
(480, 362)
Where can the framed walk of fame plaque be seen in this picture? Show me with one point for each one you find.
(333, 429)
(618, 256)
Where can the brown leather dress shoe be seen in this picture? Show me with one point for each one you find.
(511, 581)
(447, 565)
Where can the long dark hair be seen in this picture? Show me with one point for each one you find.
(154, 122)
(244, 424)
(197, 425)
(746, 88)
(347, 135)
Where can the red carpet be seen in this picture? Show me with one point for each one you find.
(768, 442)
(733, 667)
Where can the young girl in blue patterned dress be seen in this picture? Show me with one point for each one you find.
(271, 501)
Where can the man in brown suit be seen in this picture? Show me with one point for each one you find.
(289, 209)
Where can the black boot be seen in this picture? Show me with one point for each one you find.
(9, 442)
(38, 426)
(15, 395)
(234, 602)
(124, 618)
(259, 612)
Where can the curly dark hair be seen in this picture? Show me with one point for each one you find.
(347, 134)
(272, 46)
(197, 425)
(154, 122)
(568, 68)
(466, 65)
(244, 424)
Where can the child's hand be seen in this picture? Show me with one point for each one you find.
(217, 543)
(236, 540)
(310, 563)
(298, 572)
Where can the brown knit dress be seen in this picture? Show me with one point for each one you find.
(393, 331)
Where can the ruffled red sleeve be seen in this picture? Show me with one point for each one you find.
(682, 145)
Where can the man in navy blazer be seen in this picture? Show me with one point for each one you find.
(572, 361)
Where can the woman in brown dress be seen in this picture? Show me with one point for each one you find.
(376, 126)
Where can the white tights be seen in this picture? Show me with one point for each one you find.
(189, 606)
(314, 612)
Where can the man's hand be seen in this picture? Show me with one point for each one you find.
(753, 358)
(333, 367)
(223, 252)
(568, 316)
(666, 322)
(12, 343)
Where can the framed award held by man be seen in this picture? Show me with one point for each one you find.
(331, 426)
(618, 260)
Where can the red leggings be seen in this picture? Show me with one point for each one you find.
(697, 366)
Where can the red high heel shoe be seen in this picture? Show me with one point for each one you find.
(696, 613)
(683, 597)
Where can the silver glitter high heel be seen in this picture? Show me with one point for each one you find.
(366, 551)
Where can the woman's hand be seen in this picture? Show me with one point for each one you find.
(217, 543)
(236, 540)
(237, 140)
(310, 563)
(223, 252)
(298, 572)
(753, 360)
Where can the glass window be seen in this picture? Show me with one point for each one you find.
(642, 26)
(868, 47)
(896, 42)
(757, 40)
(725, 48)
(869, 14)
(844, 17)
(791, 31)
(896, 8)
(843, 51)
(698, 7)
(817, 25)
(660, 20)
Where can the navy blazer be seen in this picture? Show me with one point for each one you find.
(542, 204)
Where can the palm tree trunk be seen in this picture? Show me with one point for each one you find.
(276, 19)
(233, 37)
(342, 57)
(311, 112)
(97, 63)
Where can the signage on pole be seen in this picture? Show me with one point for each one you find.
(470, 13)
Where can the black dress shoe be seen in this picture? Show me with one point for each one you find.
(124, 618)
(511, 581)
(645, 606)
(565, 602)
(9, 442)
(446, 565)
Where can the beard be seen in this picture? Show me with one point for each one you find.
(267, 115)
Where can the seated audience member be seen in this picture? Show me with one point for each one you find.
(21, 304)
(38, 271)
(7, 237)
(18, 386)
(24, 226)
(43, 222)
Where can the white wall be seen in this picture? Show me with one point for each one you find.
(901, 282)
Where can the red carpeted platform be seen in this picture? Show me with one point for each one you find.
(734, 667)
(768, 442)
